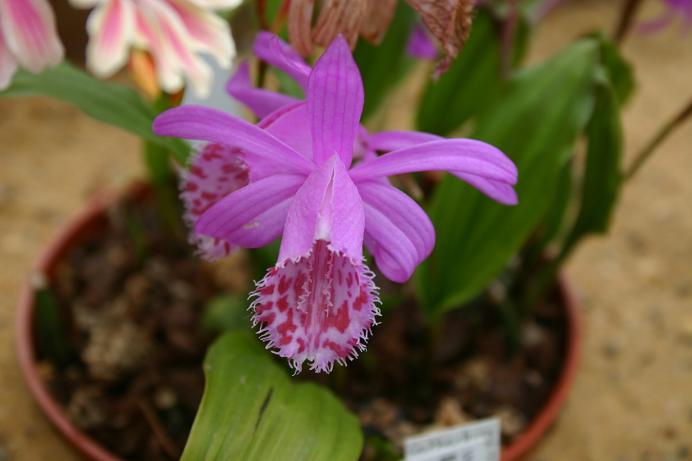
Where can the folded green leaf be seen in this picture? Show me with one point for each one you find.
(251, 411)
(472, 80)
(536, 122)
(602, 174)
(620, 73)
(106, 102)
(383, 66)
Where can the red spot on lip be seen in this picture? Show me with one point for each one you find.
(342, 319)
(267, 318)
(339, 350)
(264, 307)
(288, 326)
(197, 171)
(228, 168)
(282, 303)
(268, 290)
(298, 283)
(284, 283)
(191, 186)
(360, 301)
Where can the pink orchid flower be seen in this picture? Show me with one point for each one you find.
(175, 32)
(267, 104)
(319, 302)
(674, 9)
(28, 38)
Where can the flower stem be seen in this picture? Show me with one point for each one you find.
(658, 139)
(626, 19)
(509, 28)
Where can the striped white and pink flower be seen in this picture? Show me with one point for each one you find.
(175, 32)
(28, 38)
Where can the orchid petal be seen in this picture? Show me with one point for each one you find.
(159, 28)
(335, 103)
(30, 34)
(177, 42)
(8, 65)
(217, 4)
(252, 216)
(327, 207)
(202, 123)
(111, 28)
(148, 36)
(209, 32)
(655, 25)
(277, 53)
(420, 45)
(260, 102)
(387, 141)
(464, 156)
(401, 232)
(497, 190)
(290, 124)
(319, 308)
(214, 172)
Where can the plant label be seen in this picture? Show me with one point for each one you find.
(478, 441)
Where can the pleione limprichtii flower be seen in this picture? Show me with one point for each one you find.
(319, 302)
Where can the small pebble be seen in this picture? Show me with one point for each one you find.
(611, 350)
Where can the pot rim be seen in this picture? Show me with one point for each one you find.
(72, 232)
(66, 237)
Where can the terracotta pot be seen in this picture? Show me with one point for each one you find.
(533, 434)
(94, 218)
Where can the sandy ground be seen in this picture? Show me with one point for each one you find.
(633, 396)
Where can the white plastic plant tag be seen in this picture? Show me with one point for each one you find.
(479, 441)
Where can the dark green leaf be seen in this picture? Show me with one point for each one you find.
(384, 65)
(50, 329)
(107, 102)
(536, 122)
(227, 313)
(602, 175)
(472, 80)
(620, 72)
(555, 216)
(251, 411)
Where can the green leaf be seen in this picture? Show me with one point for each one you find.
(384, 65)
(602, 174)
(536, 122)
(472, 80)
(252, 411)
(620, 72)
(50, 327)
(106, 102)
(227, 312)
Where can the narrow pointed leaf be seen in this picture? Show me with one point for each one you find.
(536, 122)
